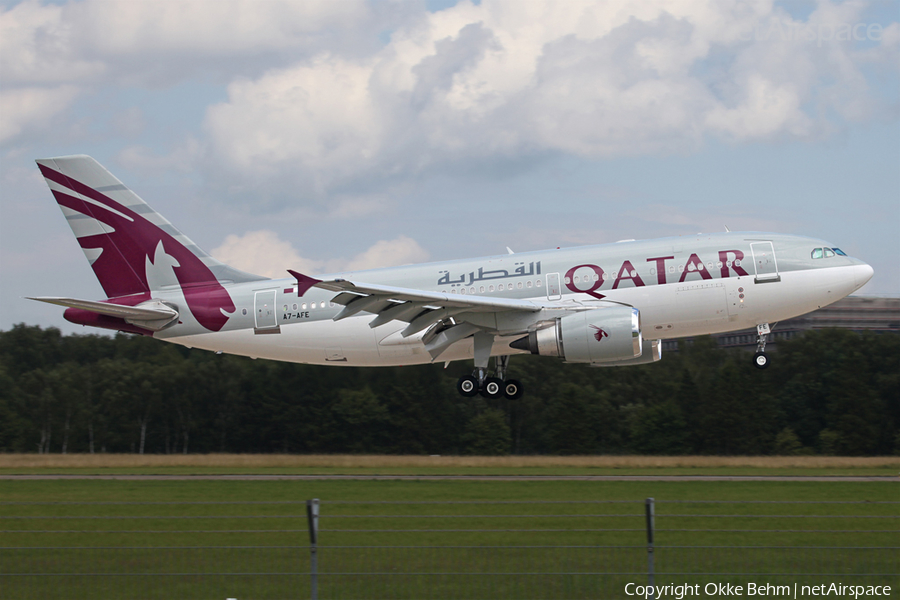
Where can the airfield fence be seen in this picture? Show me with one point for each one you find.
(441, 549)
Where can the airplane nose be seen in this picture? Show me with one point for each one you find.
(862, 273)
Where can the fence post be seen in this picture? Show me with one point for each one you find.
(649, 506)
(312, 517)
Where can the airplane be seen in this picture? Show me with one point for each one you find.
(605, 305)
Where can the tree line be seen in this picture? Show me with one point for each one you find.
(832, 392)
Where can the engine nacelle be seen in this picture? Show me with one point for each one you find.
(590, 336)
(652, 353)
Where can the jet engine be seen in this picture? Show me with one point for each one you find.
(652, 353)
(590, 336)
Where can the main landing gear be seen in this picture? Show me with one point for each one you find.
(761, 359)
(491, 387)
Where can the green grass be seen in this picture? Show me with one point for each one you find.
(216, 537)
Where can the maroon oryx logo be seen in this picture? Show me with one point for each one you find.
(600, 334)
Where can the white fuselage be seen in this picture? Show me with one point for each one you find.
(683, 286)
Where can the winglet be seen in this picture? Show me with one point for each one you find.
(304, 282)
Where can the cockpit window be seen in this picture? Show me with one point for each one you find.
(826, 252)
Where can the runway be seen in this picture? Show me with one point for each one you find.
(358, 477)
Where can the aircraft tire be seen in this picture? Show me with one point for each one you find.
(512, 389)
(761, 360)
(492, 388)
(467, 386)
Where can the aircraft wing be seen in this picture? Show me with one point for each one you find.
(419, 308)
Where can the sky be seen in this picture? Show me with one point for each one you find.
(338, 135)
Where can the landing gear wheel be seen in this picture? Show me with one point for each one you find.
(467, 386)
(512, 389)
(492, 388)
(761, 360)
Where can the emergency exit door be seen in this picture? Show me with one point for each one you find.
(554, 292)
(266, 317)
(764, 262)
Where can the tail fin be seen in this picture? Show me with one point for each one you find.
(122, 237)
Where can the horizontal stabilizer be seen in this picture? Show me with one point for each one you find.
(152, 315)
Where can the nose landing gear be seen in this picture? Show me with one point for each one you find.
(761, 359)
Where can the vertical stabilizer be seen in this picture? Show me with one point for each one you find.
(120, 233)
(132, 249)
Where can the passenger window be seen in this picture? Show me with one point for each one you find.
(829, 252)
(839, 252)
(817, 253)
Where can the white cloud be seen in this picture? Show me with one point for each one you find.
(503, 80)
(37, 45)
(93, 45)
(318, 104)
(265, 253)
(145, 40)
(388, 253)
(319, 116)
(218, 27)
(765, 110)
(32, 108)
